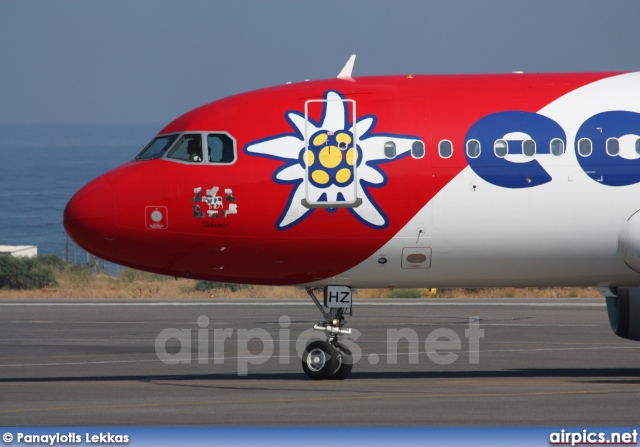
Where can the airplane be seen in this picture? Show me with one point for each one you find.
(488, 180)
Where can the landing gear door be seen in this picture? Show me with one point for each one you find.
(331, 154)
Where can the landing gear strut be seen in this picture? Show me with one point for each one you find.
(330, 359)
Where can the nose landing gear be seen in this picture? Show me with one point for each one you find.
(330, 359)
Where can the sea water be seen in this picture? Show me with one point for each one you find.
(43, 165)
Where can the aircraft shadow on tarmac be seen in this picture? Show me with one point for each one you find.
(605, 375)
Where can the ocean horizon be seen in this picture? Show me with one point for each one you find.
(43, 165)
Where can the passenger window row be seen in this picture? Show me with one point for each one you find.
(417, 149)
(528, 148)
(501, 148)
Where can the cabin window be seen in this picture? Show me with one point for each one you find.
(584, 147)
(221, 148)
(557, 147)
(157, 147)
(417, 149)
(390, 149)
(473, 148)
(528, 148)
(188, 148)
(613, 147)
(638, 146)
(445, 149)
(501, 148)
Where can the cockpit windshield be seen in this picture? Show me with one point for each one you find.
(189, 148)
(203, 148)
(157, 147)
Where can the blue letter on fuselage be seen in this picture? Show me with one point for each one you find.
(500, 171)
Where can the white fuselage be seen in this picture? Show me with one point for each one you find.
(562, 233)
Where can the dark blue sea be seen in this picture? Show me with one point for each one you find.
(42, 166)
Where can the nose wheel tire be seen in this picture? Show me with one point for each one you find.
(345, 360)
(320, 360)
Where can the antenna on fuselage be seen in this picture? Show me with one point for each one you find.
(346, 71)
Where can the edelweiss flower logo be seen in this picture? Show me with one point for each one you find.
(339, 153)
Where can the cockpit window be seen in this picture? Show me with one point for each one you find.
(157, 147)
(221, 148)
(188, 148)
(196, 147)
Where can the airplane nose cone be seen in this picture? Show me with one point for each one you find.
(90, 218)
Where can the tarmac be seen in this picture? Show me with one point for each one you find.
(423, 362)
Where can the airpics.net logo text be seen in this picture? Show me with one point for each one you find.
(590, 437)
(442, 346)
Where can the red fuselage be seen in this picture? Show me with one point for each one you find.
(255, 241)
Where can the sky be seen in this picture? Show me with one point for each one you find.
(77, 61)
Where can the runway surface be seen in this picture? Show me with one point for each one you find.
(540, 362)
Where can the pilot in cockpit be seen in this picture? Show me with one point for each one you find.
(194, 149)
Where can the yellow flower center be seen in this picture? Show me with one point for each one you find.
(330, 157)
